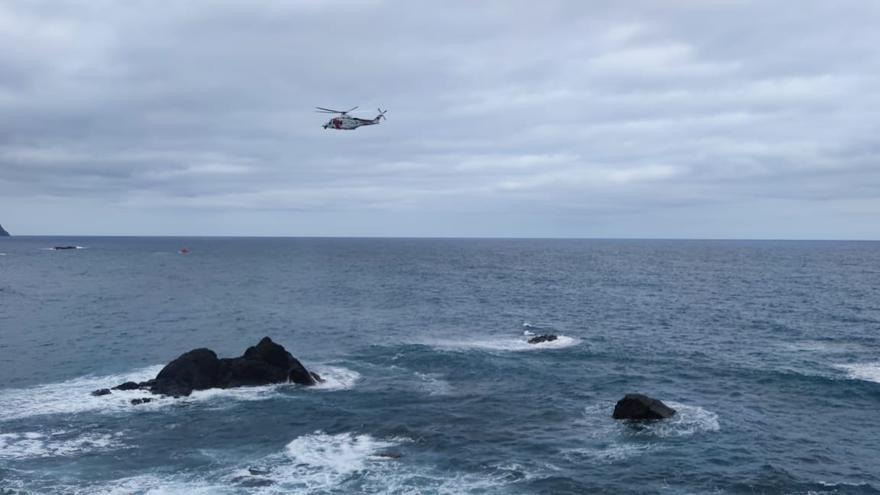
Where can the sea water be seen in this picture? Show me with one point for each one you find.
(767, 350)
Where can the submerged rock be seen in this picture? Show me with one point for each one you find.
(142, 400)
(101, 391)
(537, 339)
(389, 455)
(639, 406)
(200, 369)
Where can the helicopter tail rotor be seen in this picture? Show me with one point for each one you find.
(381, 115)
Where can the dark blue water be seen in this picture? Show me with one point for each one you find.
(767, 349)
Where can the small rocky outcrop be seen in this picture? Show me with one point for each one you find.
(641, 407)
(3, 232)
(62, 248)
(201, 369)
(537, 339)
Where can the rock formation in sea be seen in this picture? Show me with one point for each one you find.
(201, 369)
(3, 232)
(639, 406)
(537, 339)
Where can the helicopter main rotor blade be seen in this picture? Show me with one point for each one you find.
(350, 109)
(327, 110)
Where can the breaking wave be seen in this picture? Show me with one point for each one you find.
(611, 440)
(335, 377)
(31, 445)
(74, 396)
(506, 344)
(869, 372)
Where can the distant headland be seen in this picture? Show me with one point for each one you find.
(3, 233)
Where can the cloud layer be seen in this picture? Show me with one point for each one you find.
(652, 119)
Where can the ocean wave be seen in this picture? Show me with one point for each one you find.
(506, 344)
(869, 372)
(74, 396)
(31, 445)
(335, 377)
(53, 248)
(612, 440)
(433, 384)
(340, 454)
(688, 420)
(320, 462)
(611, 453)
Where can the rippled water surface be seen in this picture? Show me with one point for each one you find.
(768, 350)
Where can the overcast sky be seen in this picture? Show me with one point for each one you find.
(700, 118)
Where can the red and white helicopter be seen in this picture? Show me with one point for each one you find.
(346, 122)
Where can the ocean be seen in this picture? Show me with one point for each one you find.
(767, 349)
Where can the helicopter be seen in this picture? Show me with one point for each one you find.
(346, 122)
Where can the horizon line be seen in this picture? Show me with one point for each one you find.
(558, 238)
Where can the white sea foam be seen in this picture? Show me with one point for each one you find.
(335, 377)
(338, 454)
(612, 440)
(74, 396)
(322, 463)
(688, 420)
(869, 372)
(614, 452)
(506, 344)
(59, 443)
(160, 485)
(433, 384)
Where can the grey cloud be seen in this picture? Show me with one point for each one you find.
(576, 119)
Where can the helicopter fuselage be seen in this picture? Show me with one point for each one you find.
(347, 123)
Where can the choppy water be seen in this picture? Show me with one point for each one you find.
(767, 349)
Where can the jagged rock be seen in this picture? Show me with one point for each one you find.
(127, 386)
(142, 400)
(639, 406)
(101, 391)
(542, 338)
(200, 369)
(194, 370)
(3, 232)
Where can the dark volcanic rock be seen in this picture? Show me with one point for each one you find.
(142, 400)
(542, 338)
(61, 248)
(101, 391)
(200, 369)
(638, 406)
(3, 233)
(197, 369)
(127, 386)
